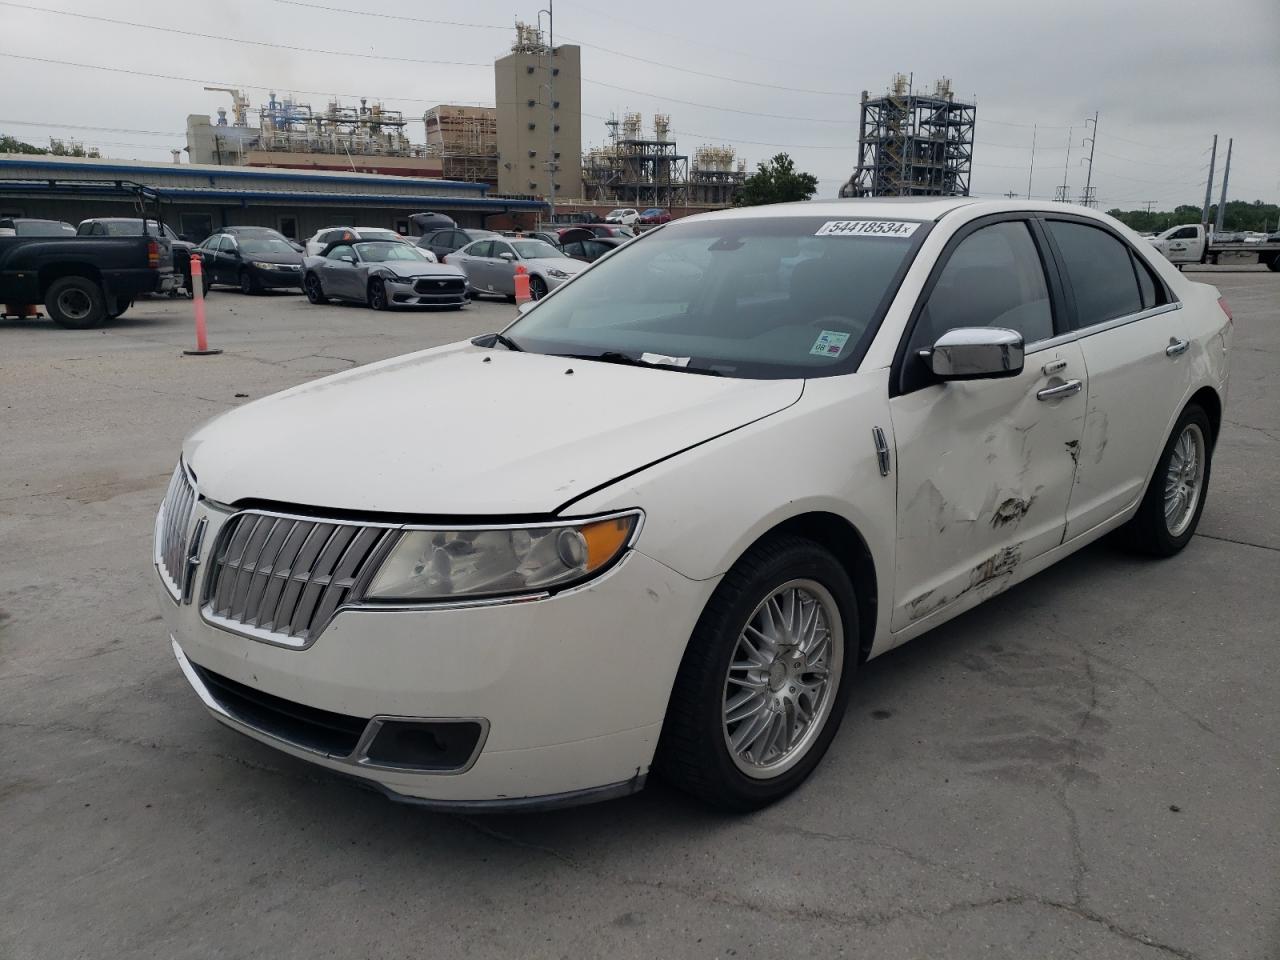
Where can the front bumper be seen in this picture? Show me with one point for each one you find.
(571, 689)
(419, 292)
(278, 277)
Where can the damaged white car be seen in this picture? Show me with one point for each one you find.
(659, 521)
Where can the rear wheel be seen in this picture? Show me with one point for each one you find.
(311, 287)
(76, 303)
(1274, 262)
(765, 679)
(1170, 510)
(377, 296)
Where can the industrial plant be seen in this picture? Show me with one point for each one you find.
(913, 143)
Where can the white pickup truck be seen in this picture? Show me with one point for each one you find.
(1187, 244)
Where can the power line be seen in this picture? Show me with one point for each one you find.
(595, 46)
(73, 126)
(252, 43)
(391, 16)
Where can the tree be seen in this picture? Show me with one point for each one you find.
(776, 181)
(10, 144)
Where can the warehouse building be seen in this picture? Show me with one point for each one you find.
(197, 199)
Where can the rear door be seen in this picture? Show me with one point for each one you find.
(472, 260)
(1134, 341)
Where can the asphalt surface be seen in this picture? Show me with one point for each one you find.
(1086, 766)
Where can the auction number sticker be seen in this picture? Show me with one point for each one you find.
(867, 228)
(830, 343)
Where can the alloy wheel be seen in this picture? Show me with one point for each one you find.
(783, 676)
(1184, 480)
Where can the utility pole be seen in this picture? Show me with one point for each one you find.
(1030, 170)
(1149, 203)
(1222, 200)
(1208, 187)
(1063, 196)
(1087, 199)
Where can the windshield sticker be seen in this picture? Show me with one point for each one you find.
(895, 229)
(829, 343)
(664, 359)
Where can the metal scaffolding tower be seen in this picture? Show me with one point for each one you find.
(636, 171)
(913, 144)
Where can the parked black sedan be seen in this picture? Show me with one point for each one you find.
(251, 262)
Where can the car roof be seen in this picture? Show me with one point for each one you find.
(897, 208)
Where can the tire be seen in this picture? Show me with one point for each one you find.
(537, 287)
(311, 287)
(248, 285)
(76, 303)
(1154, 530)
(377, 295)
(694, 751)
(121, 305)
(1274, 263)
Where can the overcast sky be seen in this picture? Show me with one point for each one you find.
(1164, 75)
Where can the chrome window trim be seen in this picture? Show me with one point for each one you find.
(357, 758)
(357, 589)
(1072, 336)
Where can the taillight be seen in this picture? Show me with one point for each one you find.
(1222, 302)
(153, 254)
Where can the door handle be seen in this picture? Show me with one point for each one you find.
(1176, 347)
(1060, 392)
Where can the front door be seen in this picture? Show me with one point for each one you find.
(1181, 246)
(985, 467)
(339, 276)
(502, 272)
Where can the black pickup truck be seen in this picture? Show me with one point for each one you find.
(84, 281)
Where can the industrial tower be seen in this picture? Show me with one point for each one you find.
(913, 144)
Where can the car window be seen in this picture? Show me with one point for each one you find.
(378, 251)
(219, 243)
(994, 278)
(531, 249)
(721, 295)
(266, 246)
(1154, 293)
(340, 251)
(1186, 233)
(594, 248)
(500, 247)
(574, 249)
(481, 248)
(1099, 270)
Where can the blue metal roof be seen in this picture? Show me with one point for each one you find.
(145, 171)
(72, 188)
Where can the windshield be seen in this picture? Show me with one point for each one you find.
(766, 297)
(382, 250)
(380, 235)
(531, 249)
(267, 247)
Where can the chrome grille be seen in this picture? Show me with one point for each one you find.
(172, 524)
(281, 578)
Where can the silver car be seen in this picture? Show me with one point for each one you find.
(382, 274)
(490, 265)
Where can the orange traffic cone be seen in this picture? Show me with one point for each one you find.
(522, 284)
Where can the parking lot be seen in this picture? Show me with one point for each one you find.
(1086, 766)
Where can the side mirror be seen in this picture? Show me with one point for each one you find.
(509, 257)
(976, 353)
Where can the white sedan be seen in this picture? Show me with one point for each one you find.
(658, 522)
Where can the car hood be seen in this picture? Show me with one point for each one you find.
(467, 431)
(407, 268)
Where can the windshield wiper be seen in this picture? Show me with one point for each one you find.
(614, 356)
(489, 339)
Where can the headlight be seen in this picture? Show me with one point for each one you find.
(393, 278)
(557, 273)
(263, 265)
(451, 564)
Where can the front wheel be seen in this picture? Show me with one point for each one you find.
(1170, 510)
(765, 679)
(311, 287)
(377, 294)
(537, 288)
(247, 282)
